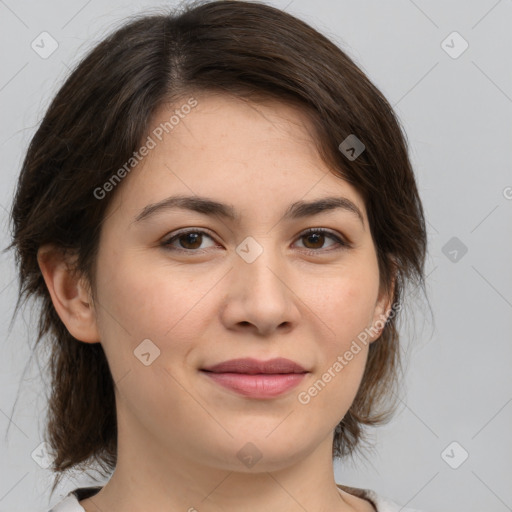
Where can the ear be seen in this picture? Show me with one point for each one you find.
(383, 308)
(70, 295)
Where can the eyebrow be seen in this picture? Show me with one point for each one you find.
(207, 206)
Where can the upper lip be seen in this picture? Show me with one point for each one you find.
(253, 366)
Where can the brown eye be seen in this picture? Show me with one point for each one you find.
(315, 238)
(190, 240)
(187, 241)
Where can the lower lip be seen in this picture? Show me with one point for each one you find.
(257, 385)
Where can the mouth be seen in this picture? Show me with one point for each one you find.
(252, 366)
(257, 379)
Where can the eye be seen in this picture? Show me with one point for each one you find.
(189, 240)
(317, 236)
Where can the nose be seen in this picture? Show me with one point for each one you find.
(260, 297)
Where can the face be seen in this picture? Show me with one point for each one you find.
(182, 288)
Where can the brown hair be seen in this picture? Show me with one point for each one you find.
(97, 120)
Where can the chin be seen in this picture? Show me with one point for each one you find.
(255, 453)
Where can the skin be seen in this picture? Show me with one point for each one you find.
(179, 432)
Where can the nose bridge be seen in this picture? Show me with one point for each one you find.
(260, 274)
(259, 266)
(260, 295)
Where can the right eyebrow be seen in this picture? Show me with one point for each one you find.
(207, 206)
(194, 203)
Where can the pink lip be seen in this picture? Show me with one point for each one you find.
(257, 379)
(253, 366)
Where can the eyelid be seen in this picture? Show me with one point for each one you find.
(341, 241)
(181, 232)
(326, 231)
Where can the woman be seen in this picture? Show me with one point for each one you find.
(219, 217)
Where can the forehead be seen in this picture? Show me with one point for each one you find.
(232, 150)
(229, 123)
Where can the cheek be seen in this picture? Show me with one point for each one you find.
(141, 301)
(137, 306)
(345, 304)
(346, 307)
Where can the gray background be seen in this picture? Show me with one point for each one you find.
(457, 112)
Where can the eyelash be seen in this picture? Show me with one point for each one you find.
(342, 244)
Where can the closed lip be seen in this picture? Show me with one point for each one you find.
(253, 366)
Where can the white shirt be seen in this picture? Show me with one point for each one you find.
(70, 503)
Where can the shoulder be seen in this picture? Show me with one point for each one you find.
(379, 502)
(70, 502)
(384, 504)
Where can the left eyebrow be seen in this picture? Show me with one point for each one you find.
(207, 206)
(301, 209)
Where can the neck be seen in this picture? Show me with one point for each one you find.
(149, 477)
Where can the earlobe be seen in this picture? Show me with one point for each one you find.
(71, 298)
(379, 319)
(382, 311)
